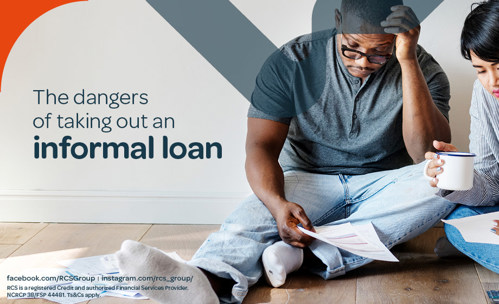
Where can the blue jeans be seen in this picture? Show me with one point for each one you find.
(400, 204)
(486, 255)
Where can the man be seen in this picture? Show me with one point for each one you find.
(335, 117)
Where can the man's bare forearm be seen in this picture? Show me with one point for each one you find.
(422, 121)
(264, 143)
(266, 178)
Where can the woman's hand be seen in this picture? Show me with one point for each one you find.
(496, 228)
(435, 166)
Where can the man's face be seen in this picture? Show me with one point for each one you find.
(488, 74)
(370, 44)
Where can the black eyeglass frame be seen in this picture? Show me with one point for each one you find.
(344, 48)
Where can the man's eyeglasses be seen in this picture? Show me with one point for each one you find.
(354, 54)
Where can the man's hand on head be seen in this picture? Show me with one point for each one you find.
(404, 23)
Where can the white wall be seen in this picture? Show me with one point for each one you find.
(125, 46)
(440, 36)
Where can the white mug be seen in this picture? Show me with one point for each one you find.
(457, 171)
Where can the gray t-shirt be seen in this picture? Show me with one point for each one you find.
(338, 125)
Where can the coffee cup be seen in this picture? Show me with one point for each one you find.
(457, 171)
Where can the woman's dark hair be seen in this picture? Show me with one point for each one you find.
(481, 32)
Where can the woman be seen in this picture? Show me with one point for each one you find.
(480, 44)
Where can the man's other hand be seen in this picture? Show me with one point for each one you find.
(288, 218)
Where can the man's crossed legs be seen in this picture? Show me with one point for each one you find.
(399, 203)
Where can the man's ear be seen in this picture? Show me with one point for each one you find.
(337, 18)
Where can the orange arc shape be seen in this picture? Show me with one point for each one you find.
(16, 16)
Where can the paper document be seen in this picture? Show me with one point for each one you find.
(90, 285)
(360, 240)
(93, 265)
(476, 229)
